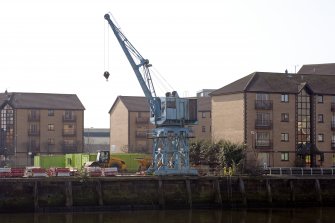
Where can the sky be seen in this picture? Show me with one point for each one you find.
(65, 46)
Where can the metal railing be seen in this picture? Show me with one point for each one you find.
(299, 171)
(263, 144)
(263, 104)
(263, 124)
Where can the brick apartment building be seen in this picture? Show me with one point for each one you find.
(130, 126)
(203, 130)
(283, 119)
(39, 123)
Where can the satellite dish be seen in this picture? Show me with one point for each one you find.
(106, 75)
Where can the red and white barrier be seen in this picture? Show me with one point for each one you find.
(5, 172)
(110, 171)
(62, 172)
(93, 171)
(17, 172)
(35, 172)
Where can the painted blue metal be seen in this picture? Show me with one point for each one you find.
(171, 151)
(145, 78)
(170, 114)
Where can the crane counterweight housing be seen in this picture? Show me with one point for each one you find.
(176, 111)
(170, 114)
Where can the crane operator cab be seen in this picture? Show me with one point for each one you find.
(176, 111)
(103, 156)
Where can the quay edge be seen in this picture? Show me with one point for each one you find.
(162, 192)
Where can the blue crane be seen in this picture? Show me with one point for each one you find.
(170, 114)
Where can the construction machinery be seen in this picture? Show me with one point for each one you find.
(170, 114)
(105, 160)
(144, 163)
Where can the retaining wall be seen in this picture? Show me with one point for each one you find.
(118, 193)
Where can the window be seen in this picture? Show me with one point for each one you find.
(69, 129)
(51, 127)
(320, 137)
(263, 119)
(262, 96)
(262, 101)
(262, 139)
(34, 115)
(204, 114)
(320, 118)
(284, 137)
(304, 118)
(69, 144)
(51, 112)
(284, 156)
(203, 128)
(284, 98)
(320, 98)
(68, 115)
(284, 117)
(33, 127)
(51, 141)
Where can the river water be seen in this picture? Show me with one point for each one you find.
(296, 215)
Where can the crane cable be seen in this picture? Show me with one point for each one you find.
(106, 47)
(164, 85)
(106, 73)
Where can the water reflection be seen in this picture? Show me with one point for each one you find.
(297, 215)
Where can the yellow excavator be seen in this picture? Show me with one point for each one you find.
(105, 160)
(144, 163)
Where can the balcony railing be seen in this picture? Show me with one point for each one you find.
(71, 118)
(142, 120)
(33, 132)
(34, 118)
(263, 144)
(263, 124)
(263, 104)
(69, 132)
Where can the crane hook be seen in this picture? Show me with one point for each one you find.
(106, 75)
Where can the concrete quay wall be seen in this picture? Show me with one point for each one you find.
(151, 192)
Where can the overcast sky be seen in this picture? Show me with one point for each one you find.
(64, 46)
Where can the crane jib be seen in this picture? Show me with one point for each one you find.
(129, 50)
(170, 115)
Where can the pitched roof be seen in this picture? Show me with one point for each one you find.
(140, 104)
(279, 83)
(42, 101)
(133, 103)
(326, 69)
(234, 87)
